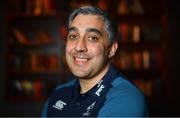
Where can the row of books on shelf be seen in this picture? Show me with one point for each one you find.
(136, 33)
(20, 37)
(37, 89)
(49, 7)
(34, 62)
(121, 7)
(125, 7)
(148, 87)
(32, 7)
(139, 60)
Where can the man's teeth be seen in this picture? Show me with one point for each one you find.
(81, 59)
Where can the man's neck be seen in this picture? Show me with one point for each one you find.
(87, 84)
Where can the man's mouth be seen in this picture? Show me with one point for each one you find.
(80, 59)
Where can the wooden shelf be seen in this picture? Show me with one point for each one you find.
(39, 71)
(25, 98)
(139, 18)
(141, 46)
(142, 74)
(44, 74)
(33, 46)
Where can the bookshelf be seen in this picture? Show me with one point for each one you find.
(142, 43)
(35, 50)
(36, 39)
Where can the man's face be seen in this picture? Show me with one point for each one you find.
(87, 46)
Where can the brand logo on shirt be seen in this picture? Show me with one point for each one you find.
(87, 113)
(59, 105)
(99, 90)
(99, 83)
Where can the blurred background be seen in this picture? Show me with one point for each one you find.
(32, 40)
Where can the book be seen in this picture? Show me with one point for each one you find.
(137, 60)
(136, 35)
(123, 28)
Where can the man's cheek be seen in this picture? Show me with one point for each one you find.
(68, 48)
(97, 50)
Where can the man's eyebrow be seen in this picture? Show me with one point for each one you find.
(94, 30)
(87, 30)
(72, 29)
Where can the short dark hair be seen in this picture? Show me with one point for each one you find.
(110, 24)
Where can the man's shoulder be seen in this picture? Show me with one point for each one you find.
(121, 86)
(123, 99)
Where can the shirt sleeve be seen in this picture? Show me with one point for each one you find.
(124, 102)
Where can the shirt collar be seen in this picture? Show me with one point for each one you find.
(101, 87)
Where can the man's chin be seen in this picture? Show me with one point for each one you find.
(81, 75)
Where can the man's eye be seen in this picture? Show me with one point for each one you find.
(72, 37)
(93, 38)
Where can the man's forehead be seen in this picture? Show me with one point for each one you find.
(87, 21)
(88, 18)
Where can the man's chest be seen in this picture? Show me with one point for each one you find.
(82, 105)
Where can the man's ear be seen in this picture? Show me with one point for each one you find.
(112, 49)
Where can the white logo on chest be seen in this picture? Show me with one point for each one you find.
(99, 90)
(59, 105)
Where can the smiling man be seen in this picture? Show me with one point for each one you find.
(99, 89)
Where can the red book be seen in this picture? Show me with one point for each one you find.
(123, 27)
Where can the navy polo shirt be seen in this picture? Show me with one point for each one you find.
(113, 96)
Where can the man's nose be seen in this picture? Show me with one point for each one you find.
(81, 45)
